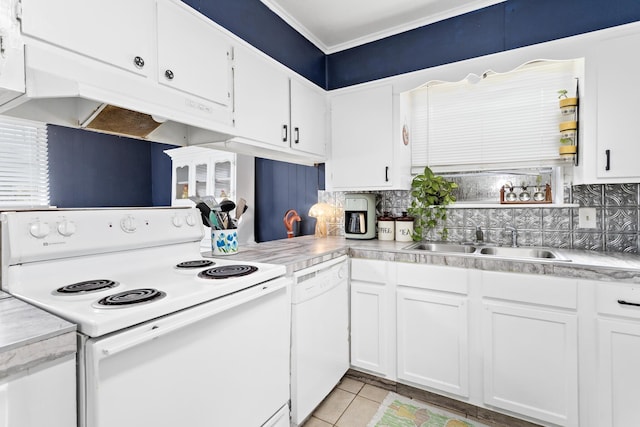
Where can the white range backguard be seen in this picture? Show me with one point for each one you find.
(206, 352)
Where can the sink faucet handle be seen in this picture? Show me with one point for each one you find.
(514, 235)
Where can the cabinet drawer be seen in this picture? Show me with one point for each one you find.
(435, 277)
(368, 270)
(532, 289)
(619, 300)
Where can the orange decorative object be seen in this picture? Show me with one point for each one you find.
(289, 217)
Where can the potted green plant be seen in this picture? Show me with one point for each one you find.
(430, 193)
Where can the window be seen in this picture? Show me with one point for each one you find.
(494, 121)
(24, 170)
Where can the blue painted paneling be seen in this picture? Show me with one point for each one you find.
(282, 186)
(255, 23)
(88, 169)
(160, 174)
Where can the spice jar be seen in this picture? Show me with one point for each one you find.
(386, 227)
(404, 228)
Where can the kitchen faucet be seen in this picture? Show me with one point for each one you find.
(514, 235)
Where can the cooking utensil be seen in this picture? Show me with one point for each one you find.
(205, 212)
(241, 207)
(227, 206)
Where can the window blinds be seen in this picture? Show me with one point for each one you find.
(499, 120)
(24, 170)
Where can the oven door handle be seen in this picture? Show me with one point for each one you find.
(138, 335)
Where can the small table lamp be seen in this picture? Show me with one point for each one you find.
(320, 211)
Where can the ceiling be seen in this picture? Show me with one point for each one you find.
(335, 25)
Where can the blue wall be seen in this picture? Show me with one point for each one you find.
(282, 186)
(88, 169)
(504, 26)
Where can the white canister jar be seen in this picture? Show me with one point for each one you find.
(404, 228)
(386, 227)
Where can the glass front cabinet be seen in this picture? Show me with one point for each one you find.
(201, 172)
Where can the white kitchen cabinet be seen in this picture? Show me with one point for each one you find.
(88, 28)
(372, 318)
(617, 151)
(432, 327)
(200, 172)
(41, 396)
(308, 118)
(361, 139)
(530, 346)
(618, 338)
(193, 55)
(275, 108)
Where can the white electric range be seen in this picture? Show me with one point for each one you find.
(157, 322)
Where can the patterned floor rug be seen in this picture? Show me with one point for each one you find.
(400, 411)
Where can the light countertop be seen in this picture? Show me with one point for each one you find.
(30, 336)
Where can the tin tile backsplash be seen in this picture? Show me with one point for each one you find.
(617, 209)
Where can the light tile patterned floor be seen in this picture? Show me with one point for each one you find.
(351, 404)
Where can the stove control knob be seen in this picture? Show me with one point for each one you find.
(177, 221)
(39, 230)
(66, 227)
(191, 220)
(128, 224)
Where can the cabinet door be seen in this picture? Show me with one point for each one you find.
(115, 32)
(361, 139)
(618, 373)
(182, 187)
(369, 323)
(618, 148)
(261, 98)
(193, 56)
(308, 119)
(531, 362)
(433, 348)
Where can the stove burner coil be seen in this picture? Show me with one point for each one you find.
(227, 271)
(130, 297)
(87, 286)
(198, 263)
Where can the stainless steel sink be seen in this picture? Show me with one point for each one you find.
(509, 252)
(442, 247)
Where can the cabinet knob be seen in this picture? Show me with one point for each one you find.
(138, 62)
(168, 74)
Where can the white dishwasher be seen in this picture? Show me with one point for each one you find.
(319, 334)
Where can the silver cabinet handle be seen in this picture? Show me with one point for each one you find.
(296, 132)
(168, 74)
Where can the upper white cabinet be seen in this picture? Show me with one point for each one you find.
(275, 108)
(361, 139)
(193, 55)
(308, 118)
(617, 147)
(118, 33)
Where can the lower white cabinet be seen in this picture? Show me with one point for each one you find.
(41, 396)
(530, 346)
(372, 318)
(432, 327)
(531, 362)
(433, 347)
(618, 351)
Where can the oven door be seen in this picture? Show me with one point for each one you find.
(222, 363)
